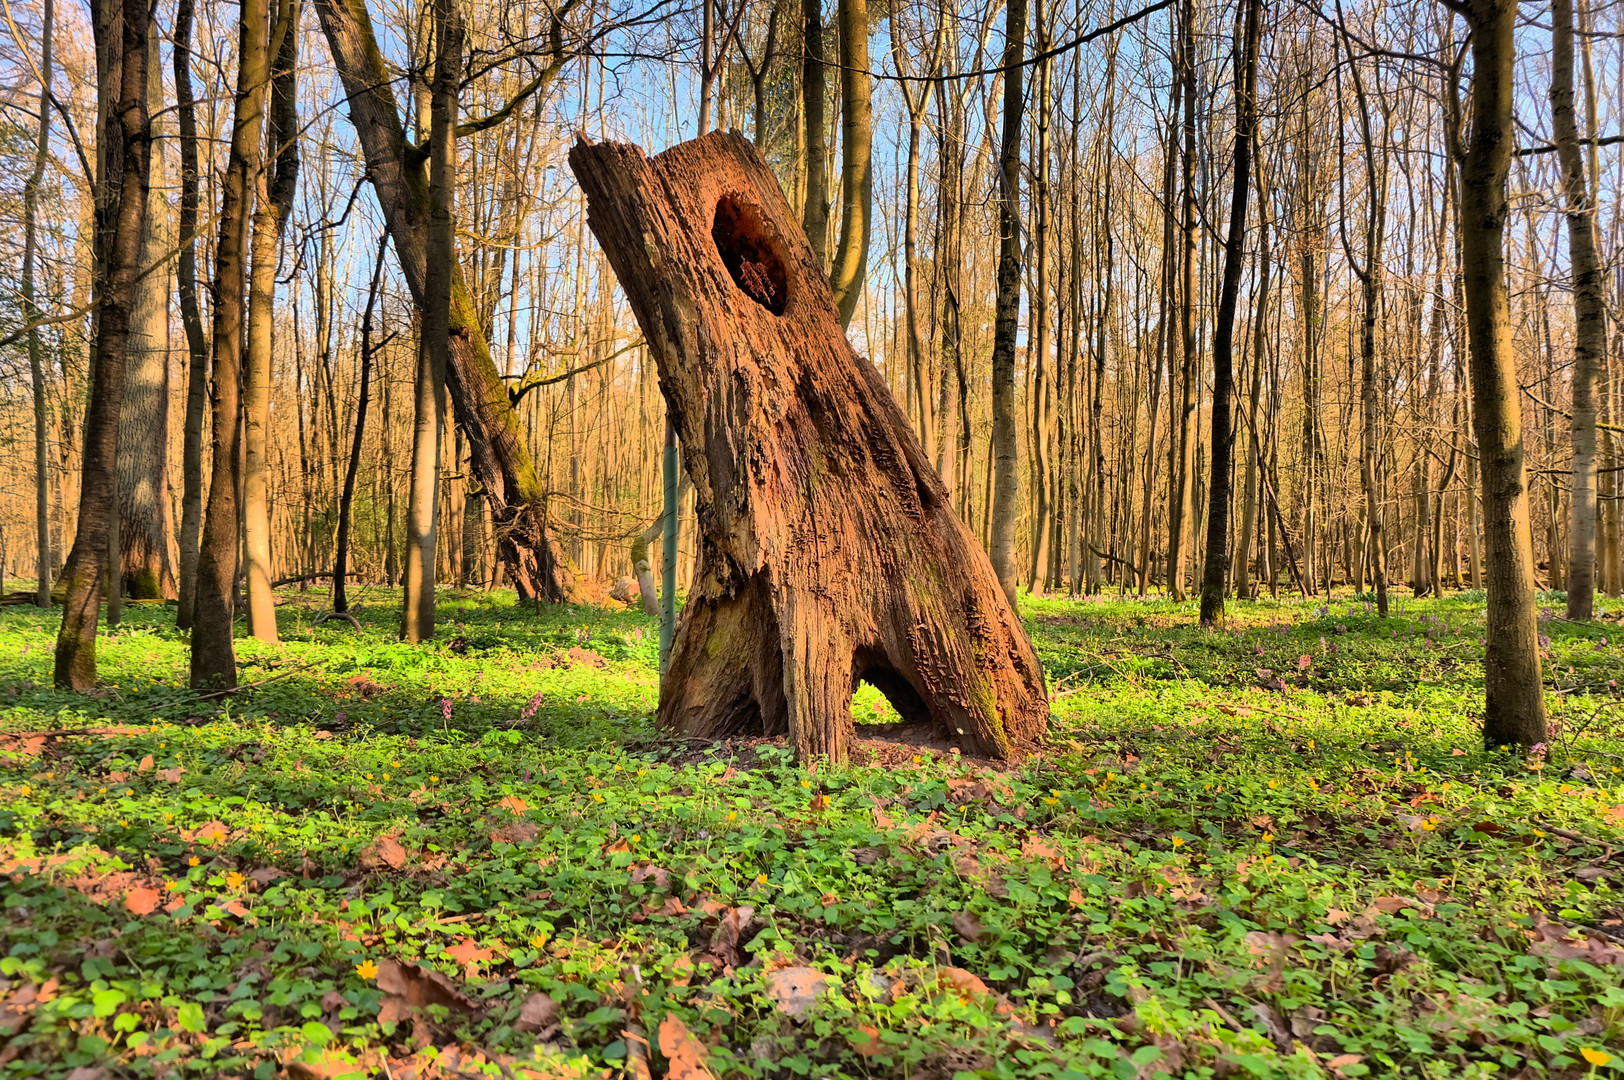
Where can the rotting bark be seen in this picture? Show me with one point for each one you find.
(829, 552)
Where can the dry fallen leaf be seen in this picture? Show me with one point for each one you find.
(538, 1016)
(1556, 942)
(647, 872)
(515, 832)
(386, 851)
(795, 989)
(467, 952)
(172, 776)
(513, 804)
(730, 934)
(967, 985)
(411, 987)
(142, 901)
(969, 927)
(146, 764)
(685, 1054)
(867, 1040)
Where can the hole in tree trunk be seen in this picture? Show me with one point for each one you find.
(907, 719)
(749, 253)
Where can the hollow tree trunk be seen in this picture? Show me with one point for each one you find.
(535, 562)
(829, 552)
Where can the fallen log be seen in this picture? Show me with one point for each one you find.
(829, 551)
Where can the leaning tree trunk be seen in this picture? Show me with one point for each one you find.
(829, 551)
(535, 562)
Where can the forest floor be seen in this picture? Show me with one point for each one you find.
(1279, 850)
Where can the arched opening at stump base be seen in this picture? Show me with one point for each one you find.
(886, 706)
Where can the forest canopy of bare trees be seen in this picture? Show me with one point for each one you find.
(1188, 298)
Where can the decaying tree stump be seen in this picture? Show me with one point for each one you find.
(829, 552)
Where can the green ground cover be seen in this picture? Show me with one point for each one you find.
(1275, 851)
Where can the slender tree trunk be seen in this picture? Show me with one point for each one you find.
(534, 561)
(1254, 455)
(274, 188)
(1007, 311)
(125, 145)
(1515, 707)
(1166, 334)
(917, 102)
(814, 100)
(1371, 276)
(857, 175)
(197, 348)
(346, 502)
(417, 615)
(1590, 317)
(1215, 565)
(36, 349)
(1181, 508)
(1042, 392)
(214, 659)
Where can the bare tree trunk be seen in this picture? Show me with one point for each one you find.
(417, 613)
(850, 267)
(1166, 335)
(1042, 391)
(1514, 711)
(36, 350)
(1371, 276)
(125, 145)
(214, 658)
(1254, 454)
(916, 102)
(1007, 310)
(1590, 317)
(1215, 565)
(146, 530)
(814, 100)
(828, 551)
(275, 186)
(197, 348)
(346, 501)
(1181, 508)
